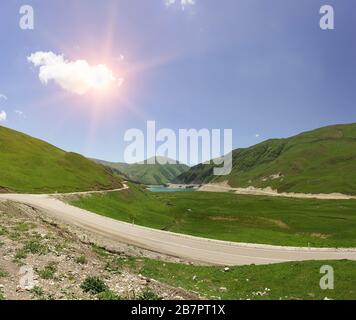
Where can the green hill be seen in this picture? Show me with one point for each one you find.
(318, 161)
(31, 165)
(150, 174)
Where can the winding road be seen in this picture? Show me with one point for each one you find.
(178, 245)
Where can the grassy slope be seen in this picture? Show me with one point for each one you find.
(319, 161)
(150, 174)
(31, 165)
(279, 221)
(295, 280)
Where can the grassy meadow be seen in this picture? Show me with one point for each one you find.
(240, 218)
(285, 281)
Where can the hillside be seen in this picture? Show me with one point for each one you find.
(31, 165)
(318, 161)
(150, 174)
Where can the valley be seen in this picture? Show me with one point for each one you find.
(230, 217)
(165, 240)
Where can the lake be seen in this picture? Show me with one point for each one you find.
(166, 189)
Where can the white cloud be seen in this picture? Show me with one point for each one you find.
(2, 96)
(257, 135)
(183, 3)
(3, 116)
(75, 76)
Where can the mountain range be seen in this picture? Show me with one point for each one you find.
(150, 174)
(318, 161)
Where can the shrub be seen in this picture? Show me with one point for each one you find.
(20, 254)
(3, 231)
(100, 251)
(94, 285)
(148, 294)
(34, 247)
(108, 295)
(48, 272)
(81, 260)
(23, 227)
(3, 273)
(37, 291)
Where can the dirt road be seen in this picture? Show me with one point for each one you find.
(187, 247)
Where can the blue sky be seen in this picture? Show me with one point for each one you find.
(262, 68)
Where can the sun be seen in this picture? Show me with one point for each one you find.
(98, 83)
(100, 77)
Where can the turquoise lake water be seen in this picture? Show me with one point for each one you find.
(165, 189)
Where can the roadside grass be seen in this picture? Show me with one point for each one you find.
(148, 294)
(35, 247)
(81, 260)
(133, 205)
(48, 272)
(231, 217)
(32, 246)
(286, 281)
(20, 254)
(23, 227)
(37, 292)
(100, 251)
(3, 230)
(108, 295)
(94, 285)
(3, 273)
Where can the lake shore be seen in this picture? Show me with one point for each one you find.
(223, 187)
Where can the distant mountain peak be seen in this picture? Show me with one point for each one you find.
(160, 160)
(153, 171)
